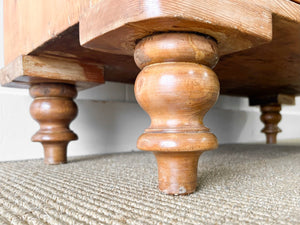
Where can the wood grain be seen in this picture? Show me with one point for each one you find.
(176, 92)
(27, 70)
(242, 79)
(286, 9)
(54, 109)
(249, 25)
(118, 68)
(30, 23)
(268, 69)
(272, 67)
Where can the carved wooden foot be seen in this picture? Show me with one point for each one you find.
(270, 106)
(176, 88)
(54, 109)
(271, 117)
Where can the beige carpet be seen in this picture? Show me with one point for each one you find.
(238, 184)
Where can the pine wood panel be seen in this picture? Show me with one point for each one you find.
(28, 70)
(268, 69)
(249, 25)
(273, 68)
(30, 23)
(118, 68)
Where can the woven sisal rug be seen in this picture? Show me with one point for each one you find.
(237, 184)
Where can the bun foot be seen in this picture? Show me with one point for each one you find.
(176, 87)
(54, 109)
(271, 117)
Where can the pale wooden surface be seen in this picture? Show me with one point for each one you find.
(269, 69)
(120, 68)
(30, 23)
(282, 8)
(265, 70)
(247, 27)
(26, 31)
(27, 70)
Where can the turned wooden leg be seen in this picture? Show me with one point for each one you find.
(176, 88)
(271, 117)
(54, 109)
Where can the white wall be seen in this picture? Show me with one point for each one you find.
(110, 120)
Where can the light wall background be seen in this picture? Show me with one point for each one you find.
(110, 120)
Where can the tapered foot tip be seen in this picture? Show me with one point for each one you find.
(177, 190)
(54, 163)
(177, 172)
(55, 153)
(51, 161)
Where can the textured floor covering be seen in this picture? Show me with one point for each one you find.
(238, 184)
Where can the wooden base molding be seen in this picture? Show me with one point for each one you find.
(271, 117)
(176, 88)
(54, 109)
